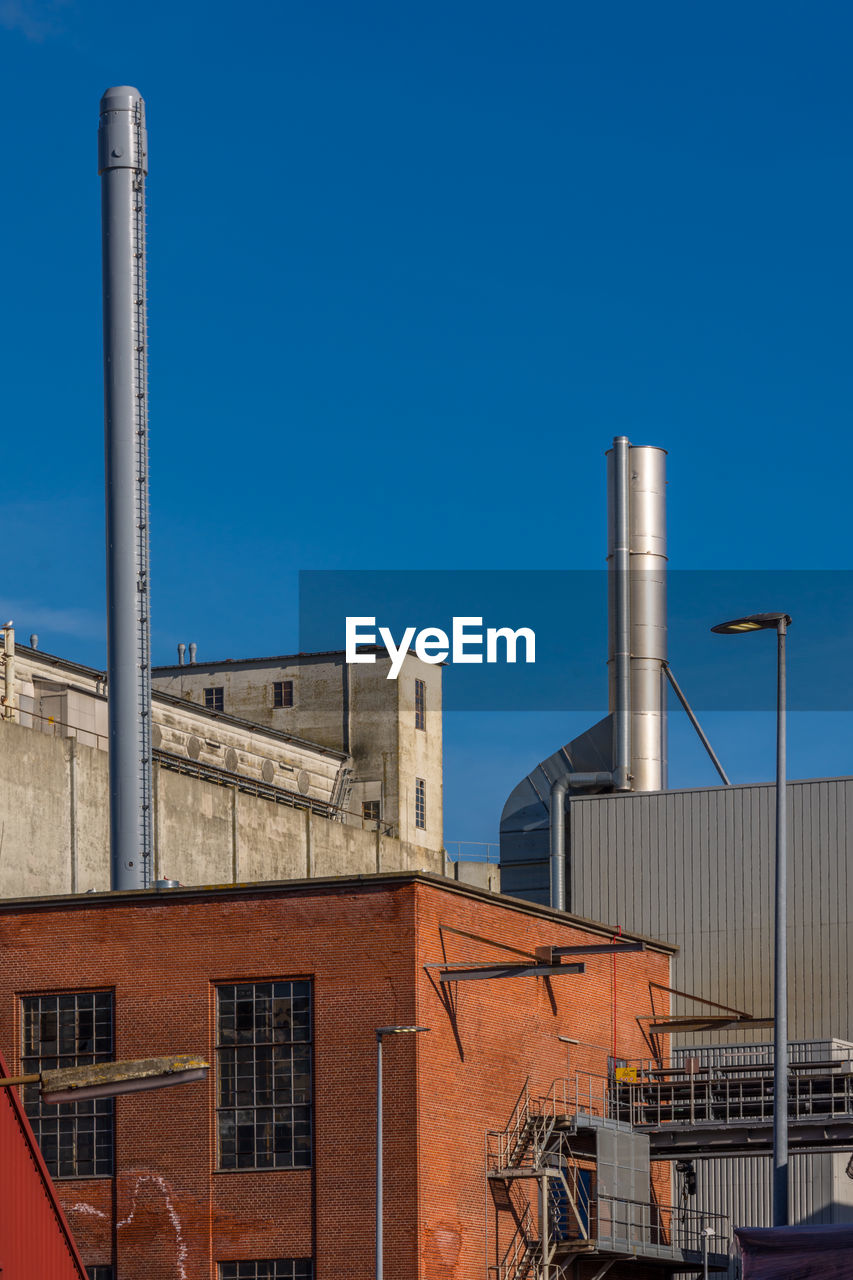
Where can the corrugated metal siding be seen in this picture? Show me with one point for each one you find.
(740, 1187)
(697, 867)
(35, 1240)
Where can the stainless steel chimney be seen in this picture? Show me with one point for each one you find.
(636, 557)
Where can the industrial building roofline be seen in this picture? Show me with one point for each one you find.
(173, 700)
(279, 659)
(66, 666)
(347, 884)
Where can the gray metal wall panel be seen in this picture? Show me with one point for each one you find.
(740, 1188)
(696, 868)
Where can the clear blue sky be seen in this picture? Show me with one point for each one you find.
(411, 268)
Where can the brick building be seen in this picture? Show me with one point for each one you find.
(267, 1169)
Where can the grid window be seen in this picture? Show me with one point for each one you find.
(420, 803)
(282, 693)
(100, 1273)
(264, 1059)
(214, 698)
(370, 810)
(420, 704)
(270, 1269)
(72, 1030)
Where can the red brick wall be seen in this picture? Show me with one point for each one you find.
(507, 1030)
(169, 1215)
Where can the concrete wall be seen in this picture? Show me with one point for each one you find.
(54, 829)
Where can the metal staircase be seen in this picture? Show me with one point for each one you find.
(544, 1174)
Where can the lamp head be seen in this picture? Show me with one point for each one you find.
(752, 622)
(397, 1031)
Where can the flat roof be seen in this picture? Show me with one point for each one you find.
(282, 659)
(321, 884)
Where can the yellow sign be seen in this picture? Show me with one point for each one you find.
(626, 1075)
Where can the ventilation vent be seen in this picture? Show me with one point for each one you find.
(193, 748)
(231, 760)
(303, 781)
(268, 771)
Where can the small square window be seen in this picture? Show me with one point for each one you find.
(282, 693)
(214, 698)
(370, 810)
(420, 803)
(420, 704)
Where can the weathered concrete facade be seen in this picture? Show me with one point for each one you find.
(234, 801)
(54, 826)
(353, 708)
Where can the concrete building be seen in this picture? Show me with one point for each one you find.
(391, 729)
(267, 1168)
(234, 800)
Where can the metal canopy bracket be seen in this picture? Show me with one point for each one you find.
(549, 954)
(480, 973)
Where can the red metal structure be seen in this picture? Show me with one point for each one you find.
(35, 1238)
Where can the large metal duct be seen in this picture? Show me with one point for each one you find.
(123, 164)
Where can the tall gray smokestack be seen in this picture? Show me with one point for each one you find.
(637, 509)
(123, 165)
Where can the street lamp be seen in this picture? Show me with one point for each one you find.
(778, 622)
(708, 1234)
(107, 1079)
(380, 1032)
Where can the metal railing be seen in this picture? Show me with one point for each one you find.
(483, 851)
(731, 1094)
(654, 1229)
(521, 1251)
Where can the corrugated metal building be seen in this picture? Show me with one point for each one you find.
(696, 867)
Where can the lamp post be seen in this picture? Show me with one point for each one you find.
(107, 1079)
(778, 622)
(380, 1032)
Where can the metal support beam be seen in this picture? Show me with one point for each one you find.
(550, 954)
(480, 973)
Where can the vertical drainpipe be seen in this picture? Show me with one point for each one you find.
(557, 808)
(619, 612)
(122, 165)
(8, 672)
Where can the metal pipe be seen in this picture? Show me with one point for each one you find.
(379, 1155)
(557, 831)
(619, 661)
(696, 725)
(557, 828)
(780, 994)
(123, 164)
(8, 672)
